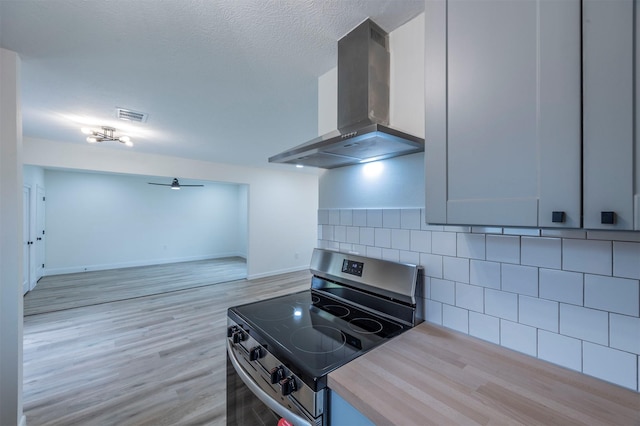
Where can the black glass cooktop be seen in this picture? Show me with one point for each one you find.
(313, 333)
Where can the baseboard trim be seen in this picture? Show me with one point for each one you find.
(278, 272)
(131, 264)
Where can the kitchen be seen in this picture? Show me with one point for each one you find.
(453, 257)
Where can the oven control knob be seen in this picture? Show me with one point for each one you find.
(231, 330)
(288, 385)
(239, 336)
(277, 374)
(256, 353)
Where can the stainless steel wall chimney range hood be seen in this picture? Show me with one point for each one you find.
(363, 133)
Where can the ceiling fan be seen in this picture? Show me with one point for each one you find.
(174, 185)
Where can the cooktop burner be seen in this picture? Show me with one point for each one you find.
(313, 332)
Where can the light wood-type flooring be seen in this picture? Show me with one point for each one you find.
(155, 359)
(59, 292)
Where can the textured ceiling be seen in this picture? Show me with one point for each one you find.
(231, 81)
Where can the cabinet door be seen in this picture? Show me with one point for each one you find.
(608, 73)
(502, 112)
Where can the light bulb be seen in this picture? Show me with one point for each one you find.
(92, 139)
(86, 131)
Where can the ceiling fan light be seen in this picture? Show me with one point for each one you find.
(177, 188)
(92, 139)
(86, 131)
(128, 143)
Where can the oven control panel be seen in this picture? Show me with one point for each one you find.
(272, 375)
(352, 267)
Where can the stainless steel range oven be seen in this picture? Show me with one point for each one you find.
(281, 350)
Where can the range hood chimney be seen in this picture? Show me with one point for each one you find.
(363, 133)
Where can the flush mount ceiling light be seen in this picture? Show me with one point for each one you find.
(106, 135)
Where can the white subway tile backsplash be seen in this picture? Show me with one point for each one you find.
(346, 217)
(532, 232)
(520, 279)
(471, 245)
(391, 255)
(456, 228)
(360, 217)
(570, 297)
(374, 218)
(374, 252)
(323, 217)
(561, 286)
(359, 249)
(327, 232)
(391, 218)
(346, 247)
(564, 233)
(485, 274)
(486, 230)
(544, 252)
(518, 337)
(401, 239)
(410, 257)
(610, 364)
(410, 219)
(501, 304)
(484, 327)
(559, 349)
(624, 333)
(433, 312)
(614, 236)
(586, 324)
(443, 243)
(503, 248)
(443, 291)
(626, 260)
(470, 297)
(593, 257)
(455, 269)
(367, 236)
(455, 318)
(382, 237)
(612, 294)
(334, 217)
(421, 241)
(538, 313)
(353, 234)
(432, 263)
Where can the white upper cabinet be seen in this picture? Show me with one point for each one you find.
(504, 114)
(608, 140)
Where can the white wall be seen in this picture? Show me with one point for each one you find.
(11, 307)
(282, 205)
(101, 221)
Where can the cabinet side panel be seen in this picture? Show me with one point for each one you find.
(560, 112)
(608, 112)
(436, 111)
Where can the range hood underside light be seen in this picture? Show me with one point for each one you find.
(372, 143)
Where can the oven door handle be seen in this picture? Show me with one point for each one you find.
(262, 395)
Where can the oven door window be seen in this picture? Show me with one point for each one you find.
(243, 407)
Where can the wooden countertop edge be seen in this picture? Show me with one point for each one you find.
(434, 375)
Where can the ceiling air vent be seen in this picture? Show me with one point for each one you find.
(128, 115)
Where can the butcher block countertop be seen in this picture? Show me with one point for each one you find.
(433, 375)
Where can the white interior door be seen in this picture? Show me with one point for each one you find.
(26, 240)
(40, 235)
